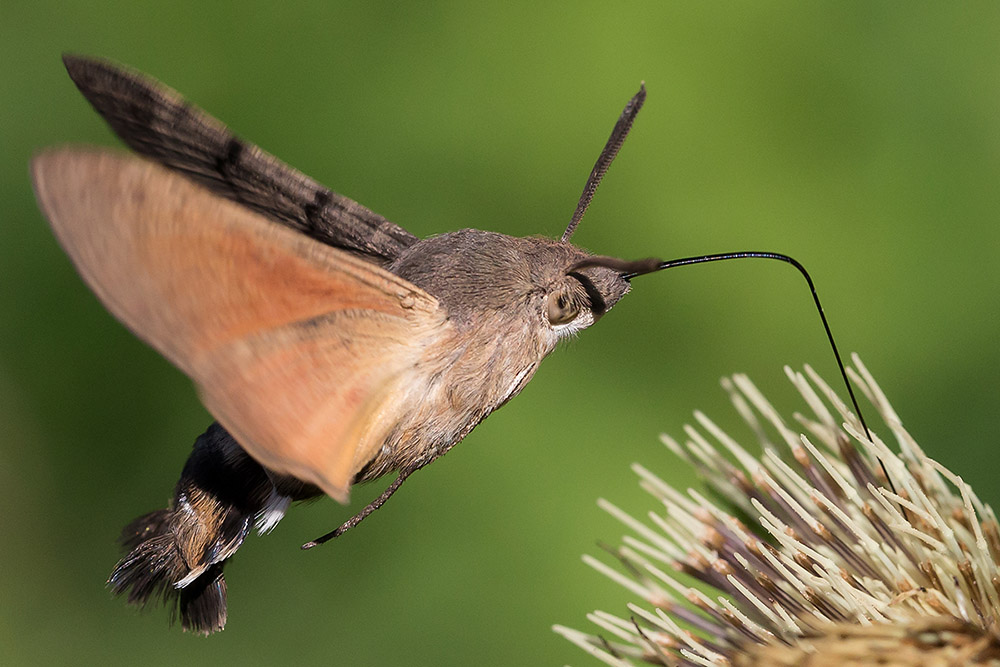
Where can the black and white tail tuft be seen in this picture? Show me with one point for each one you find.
(177, 555)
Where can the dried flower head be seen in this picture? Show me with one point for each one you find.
(834, 566)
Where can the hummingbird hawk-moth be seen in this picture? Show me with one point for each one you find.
(332, 346)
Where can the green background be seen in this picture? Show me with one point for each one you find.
(861, 138)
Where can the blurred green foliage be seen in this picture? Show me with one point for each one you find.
(861, 138)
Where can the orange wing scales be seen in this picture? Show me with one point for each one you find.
(298, 349)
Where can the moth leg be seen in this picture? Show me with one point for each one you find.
(368, 509)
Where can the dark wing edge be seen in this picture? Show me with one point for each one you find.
(159, 123)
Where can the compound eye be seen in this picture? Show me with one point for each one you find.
(561, 308)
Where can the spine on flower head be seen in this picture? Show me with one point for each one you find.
(813, 553)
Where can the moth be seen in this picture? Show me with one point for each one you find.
(332, 346)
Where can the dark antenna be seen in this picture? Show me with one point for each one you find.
(615, 142)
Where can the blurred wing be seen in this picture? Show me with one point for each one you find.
(157, 122)
(305, 353)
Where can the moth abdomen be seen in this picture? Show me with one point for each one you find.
(177, 554)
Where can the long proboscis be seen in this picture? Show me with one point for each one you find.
(631, 269)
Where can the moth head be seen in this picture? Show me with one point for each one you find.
(489, 277)
(482, 276)
(591, 285)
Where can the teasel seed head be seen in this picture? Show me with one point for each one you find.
(834, 565)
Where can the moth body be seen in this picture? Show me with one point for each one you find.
(332, 346)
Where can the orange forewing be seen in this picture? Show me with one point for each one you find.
(302, 351)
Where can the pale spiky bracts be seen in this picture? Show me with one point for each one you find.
(834, 566)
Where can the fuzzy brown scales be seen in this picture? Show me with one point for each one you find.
(494, 288)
